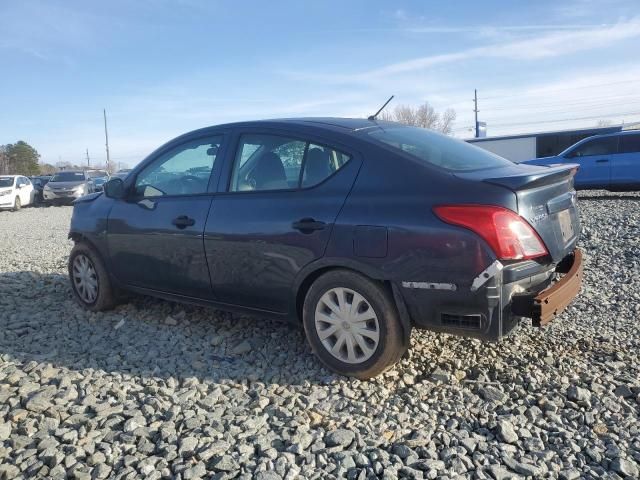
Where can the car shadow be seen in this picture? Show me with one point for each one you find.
(148, 337)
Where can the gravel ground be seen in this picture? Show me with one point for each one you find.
(155, 389)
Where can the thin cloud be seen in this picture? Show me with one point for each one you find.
(545, 46)
(486, 29)
(549, 45)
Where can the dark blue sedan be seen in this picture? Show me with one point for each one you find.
(358, 230)
(609, 162)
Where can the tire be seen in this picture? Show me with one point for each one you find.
(17, 204)
(104, 298)
(373, 300)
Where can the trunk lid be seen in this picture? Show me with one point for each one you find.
(546, 199)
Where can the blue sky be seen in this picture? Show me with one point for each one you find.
(165, 67)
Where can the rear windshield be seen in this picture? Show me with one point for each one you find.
(97, 173)
(438, 149)
(68, 177)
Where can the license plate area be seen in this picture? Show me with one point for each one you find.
(566, 225)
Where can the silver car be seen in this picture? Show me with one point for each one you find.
(67, 186)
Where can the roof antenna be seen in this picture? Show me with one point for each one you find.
(373, 117)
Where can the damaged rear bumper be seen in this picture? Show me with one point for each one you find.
(492, 305)
(549, 303)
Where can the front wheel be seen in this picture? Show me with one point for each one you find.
(17, 204)
(90, 281)
(352, 324)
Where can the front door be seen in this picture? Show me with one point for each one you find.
(594, 157)
(275, 217)
(25, 190)
(155, 235)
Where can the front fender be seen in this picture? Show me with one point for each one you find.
(89, 221)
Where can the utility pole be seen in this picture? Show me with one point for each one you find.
(106, 137)
(475, 110)
(88, 161)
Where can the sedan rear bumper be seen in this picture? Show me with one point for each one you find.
(549, 303)
(492, 306)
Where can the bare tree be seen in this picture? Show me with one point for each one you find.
(423, 116)
(604, 123)
(4, 160)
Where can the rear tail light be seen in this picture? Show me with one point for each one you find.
(506, 232)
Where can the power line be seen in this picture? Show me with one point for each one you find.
(562, 89)
(546, 91)
(592, 103)
(596, 117)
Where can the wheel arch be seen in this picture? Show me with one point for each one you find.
(79, 237)
(312, 272)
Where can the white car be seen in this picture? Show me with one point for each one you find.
(15, 191)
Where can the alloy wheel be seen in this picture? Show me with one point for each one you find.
(85, 278)
(347, 325)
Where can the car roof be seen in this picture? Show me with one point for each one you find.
(617, 134)
(344, 125)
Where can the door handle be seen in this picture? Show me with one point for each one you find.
(602, 160)
(183, 221)
(308, 225)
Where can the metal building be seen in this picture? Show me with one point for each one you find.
(519, 148)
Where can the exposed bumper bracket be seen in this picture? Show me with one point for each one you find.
(485, 275)
(549, 303)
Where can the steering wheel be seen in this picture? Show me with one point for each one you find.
(191, 180)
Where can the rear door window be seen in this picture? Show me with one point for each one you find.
(630, 143)
(320, 163)
(273, 162)
(437, 149)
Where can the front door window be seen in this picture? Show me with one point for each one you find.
(183, 170)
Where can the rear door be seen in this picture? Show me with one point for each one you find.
(274, 214)
(595, 157)
(625, 170)
(155, 235)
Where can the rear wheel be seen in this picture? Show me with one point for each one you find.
(90, 281)
(17, 204)
(352, 324)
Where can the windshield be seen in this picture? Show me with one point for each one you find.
(68, 177)
(97, 173)
(438, 149)
(6, 182)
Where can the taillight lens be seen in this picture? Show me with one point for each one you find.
(506, 232)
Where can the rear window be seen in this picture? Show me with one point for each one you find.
(438, 149)
(630, 143)
(68, 177)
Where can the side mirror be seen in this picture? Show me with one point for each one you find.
(114, 188)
